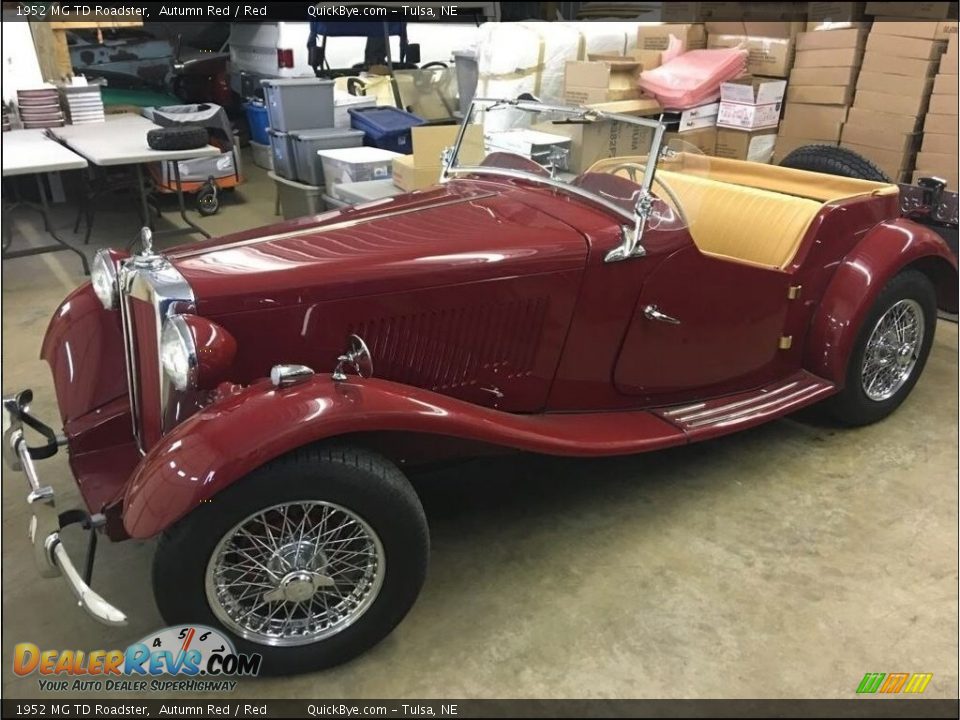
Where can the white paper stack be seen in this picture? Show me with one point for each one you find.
(84, 103)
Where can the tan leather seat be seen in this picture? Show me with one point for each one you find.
(741, 223)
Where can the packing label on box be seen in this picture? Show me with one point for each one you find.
(748, 117)
(753, 91)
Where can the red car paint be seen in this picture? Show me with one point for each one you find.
(492, 318)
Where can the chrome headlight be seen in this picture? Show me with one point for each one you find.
(103, 277)
(178, 353)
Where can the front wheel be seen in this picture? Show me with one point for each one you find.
(890, 352)
(309, 561)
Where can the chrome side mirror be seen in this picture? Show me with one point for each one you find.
(630, 245)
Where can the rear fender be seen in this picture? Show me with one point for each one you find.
(884, 252)
(227, 440)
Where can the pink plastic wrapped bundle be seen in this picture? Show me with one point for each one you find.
(694, 77)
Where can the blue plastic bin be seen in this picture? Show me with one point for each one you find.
(258, 122)
(385, 127)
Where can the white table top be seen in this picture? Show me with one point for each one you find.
(26, 152)
(122, 140)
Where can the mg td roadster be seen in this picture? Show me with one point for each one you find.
(250, 400)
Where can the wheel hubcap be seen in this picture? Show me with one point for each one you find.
(892, 350)
(295, 573)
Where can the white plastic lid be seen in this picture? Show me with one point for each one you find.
(364, 153)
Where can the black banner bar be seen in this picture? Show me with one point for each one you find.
(440, 11)
(206, 708)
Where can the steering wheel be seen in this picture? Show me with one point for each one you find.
(632, 168)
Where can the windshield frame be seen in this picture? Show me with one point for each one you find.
(590, 114)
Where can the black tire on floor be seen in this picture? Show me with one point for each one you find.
(359, 480)
(833, 161)
(177, 138)
(208, 201)
(852, 406)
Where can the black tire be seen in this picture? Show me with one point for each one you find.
(833, 161)
(852, 406)
(363, 482)
(208, 202)
(177, 138)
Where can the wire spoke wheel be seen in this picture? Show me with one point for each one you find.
(295, 573)
(892, 350)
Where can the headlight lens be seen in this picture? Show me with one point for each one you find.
(178, 353)
(103, 277)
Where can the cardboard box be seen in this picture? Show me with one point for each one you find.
(943, 105)
(648, 59)
(822, 130)
(915, 10)
(429, 142)
(893, 65)
(883, 120)
(946, 85)
(905, 47)
(892, 162)
(831, 14)
(930, 30)
(941, 143)
(754, 146)
(593, 81)
(948, 65)
(837, 57)
(770, 57)
(937, 161)
(902, 142)
(407, 176)
(831, 40)
(946, 124)
(838, 76)
(786, 145)
(599, 140)
(695, 118)
(893, 84)
(888, 103)
(657, 37)
(704, 139)
(801, 113)
(757, 28)
(753, 91)
(641, 107)
(748, 117)
(820, 94)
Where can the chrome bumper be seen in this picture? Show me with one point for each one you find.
(44, 531)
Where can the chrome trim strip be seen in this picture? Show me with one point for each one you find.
(749, 413)
(325, 228)
(682, 416)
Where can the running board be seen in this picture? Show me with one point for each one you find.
(736, 412)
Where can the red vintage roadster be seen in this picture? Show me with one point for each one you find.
(251, 400)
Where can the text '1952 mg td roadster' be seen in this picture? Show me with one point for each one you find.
(250, 399)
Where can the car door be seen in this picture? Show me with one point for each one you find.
(703, 326)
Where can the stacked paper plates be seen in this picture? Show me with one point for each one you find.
(84, 103)
(40, 107)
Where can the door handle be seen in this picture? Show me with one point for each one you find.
(652, 312)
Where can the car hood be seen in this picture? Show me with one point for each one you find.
(464, 231)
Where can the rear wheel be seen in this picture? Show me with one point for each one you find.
(309, 561)
(890, 352)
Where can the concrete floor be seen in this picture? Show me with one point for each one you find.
(784, 562)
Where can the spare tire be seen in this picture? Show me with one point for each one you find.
(833, 161)
(177, 138)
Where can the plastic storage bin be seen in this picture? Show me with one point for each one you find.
(298, 103)
(307, 143)
(262, 154)
(284, 160)
(366, 191)
(258, 120)
(298, 199)
(386, 127)
(355, 165)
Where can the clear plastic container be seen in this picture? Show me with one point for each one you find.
(356, 165)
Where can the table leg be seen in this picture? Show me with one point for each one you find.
(183, 208)
(49, 225)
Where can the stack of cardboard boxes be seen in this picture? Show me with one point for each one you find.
(893, 90)
(821, 87)
(769, 44)
(939, 147)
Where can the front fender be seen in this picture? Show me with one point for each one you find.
(227, 440)
(884, 252)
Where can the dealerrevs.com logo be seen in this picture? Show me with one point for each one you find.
(186, 658)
